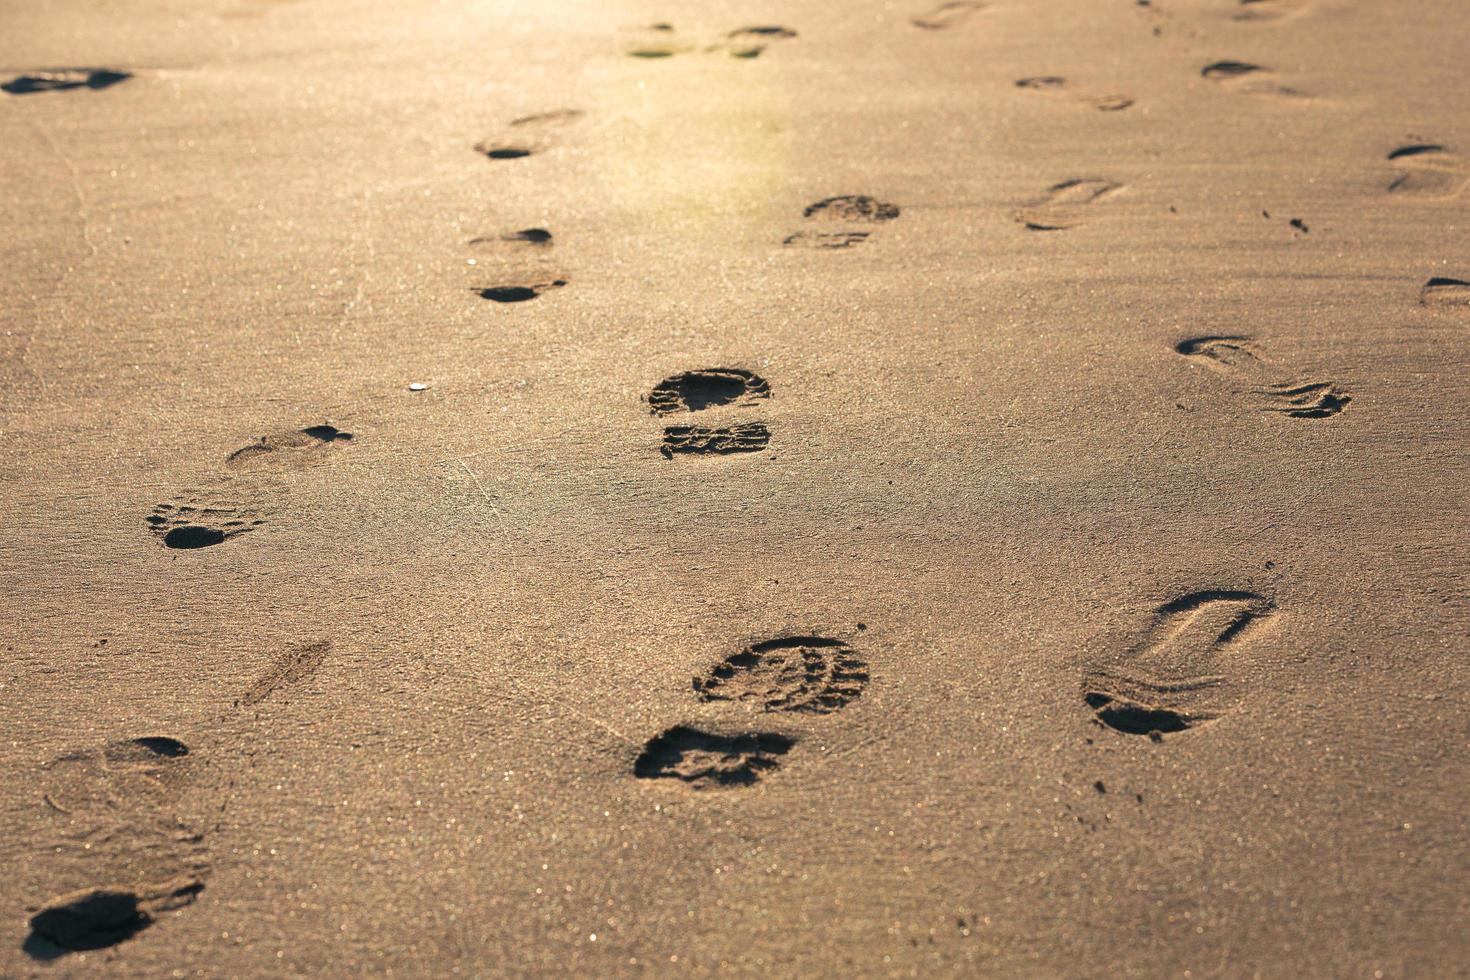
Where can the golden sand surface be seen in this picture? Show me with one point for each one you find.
(814, 488)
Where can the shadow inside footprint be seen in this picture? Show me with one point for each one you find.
(517, 294)
(695, 391)
(708, 761)
(95, 918)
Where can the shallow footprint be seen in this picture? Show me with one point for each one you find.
(1244, 77)
(656, 41)
(749, 42)
(948, 15)
(122, 775)
(193, 522)
(298, 446)
(528, 135)
(1312, 400)
(1232, 352)
(1066, 205)
(1056, 84)
(1172, 680)
(1428, 171)
(63, 79)
(1443, 291)
(1267, 10)
(813, 674)
(705, 760)
(844, 209)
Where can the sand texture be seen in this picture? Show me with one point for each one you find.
(788, 489)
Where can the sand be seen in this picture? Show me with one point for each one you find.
(508, 488)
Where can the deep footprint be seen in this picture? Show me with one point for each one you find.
(695, 391)
(708, 761)
(518, 293)
(700, 440)
(96, 918)
(796, 673)
(64, 79)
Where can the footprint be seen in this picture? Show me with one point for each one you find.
(1313, 400)
(695, 391)
(290, 668)
(1066, 205)
(518, 292)
(656, 41)
(528, 135)
(845, 209)
(1441, 291)
(122, 775)
(95, 918)
(526, 237)
(948, 15)
(851, 209)
(63, 79)
(1267, 10)
(192, 523)
(1056, 84)
(702, 440)
(1172, 680)
(794, 673)
(1244, 77)
(1220, 353)
(710, 761)
(749, 42)
(296, 445)
(1428, 171)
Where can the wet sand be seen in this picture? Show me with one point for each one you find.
(792, 489)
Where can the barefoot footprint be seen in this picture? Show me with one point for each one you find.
(116, 805)
(522, 263)
(948, 15)
(1236, 354)
(1057, 85)
(1067, 204)
(1428, 171)
(1177, 677)
(296, 447)
(528, 135)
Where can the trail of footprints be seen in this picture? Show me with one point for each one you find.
(815, 675)
(1179, 676)
(120, 813)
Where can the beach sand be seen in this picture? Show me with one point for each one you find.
(784, 489)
